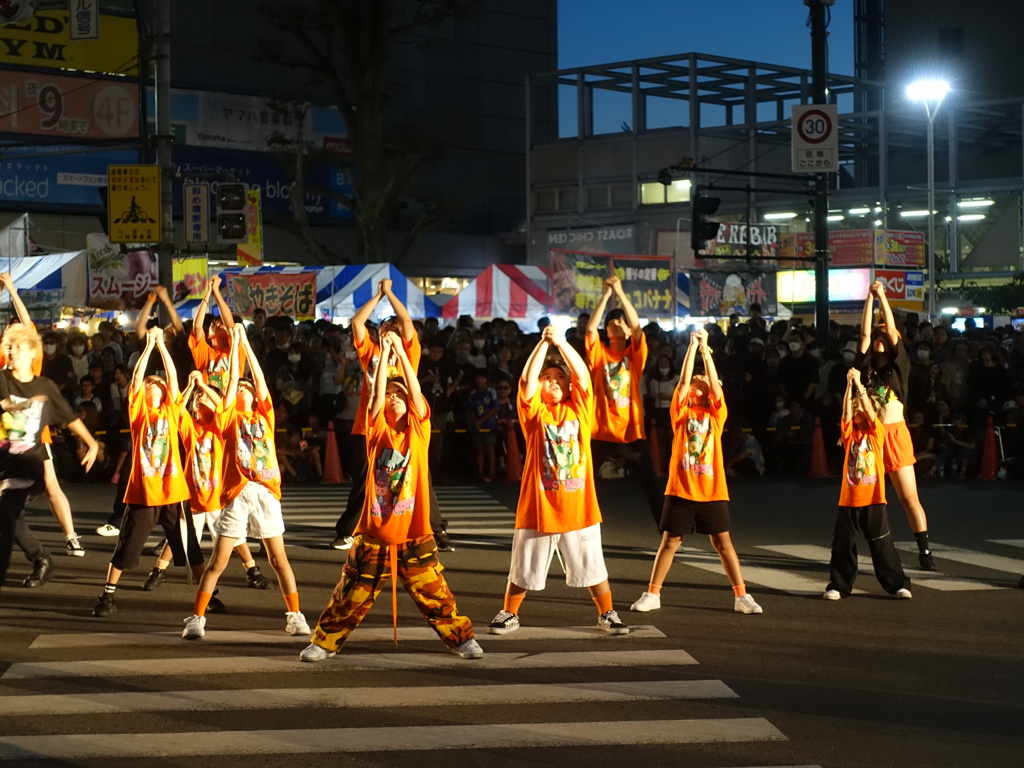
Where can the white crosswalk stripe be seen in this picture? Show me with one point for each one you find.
(118, 686)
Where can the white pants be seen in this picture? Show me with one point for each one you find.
(579, 551)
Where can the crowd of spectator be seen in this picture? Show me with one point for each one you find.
(778, 378)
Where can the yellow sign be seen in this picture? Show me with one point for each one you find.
(133, 203)
(250, 254)
(45, 41)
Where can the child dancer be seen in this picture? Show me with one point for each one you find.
(251, 490)
(862, 501)
(393, 538)
(696, 497)
(558, 509)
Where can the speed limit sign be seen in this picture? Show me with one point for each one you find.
(815, 138)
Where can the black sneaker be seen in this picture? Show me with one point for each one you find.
(927, 561)
(503, 623)
(104, 605)
(155, 580)
(444, 544)
(42, 570)
(257, 580)
(611, 623)
(216, 606)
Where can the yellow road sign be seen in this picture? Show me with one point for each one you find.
(133, 203)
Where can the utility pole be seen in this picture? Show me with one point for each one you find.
(163, 140)
(819, 86)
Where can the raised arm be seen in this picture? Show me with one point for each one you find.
(530, 378)
(169, 369)
(577, 368)
(632, 318)
(142, 324)
(686, 372)
(258, 379)
(19, 306)
(363, 314)
(172, 313)
(222, 306)
(886, 310)
(380, 375)
(200, 318)
(231, 391)
(862, 395)
(709, 368)
(404, 320)
(139, 374)
(598, 312)
(411, 380)
(848, 397)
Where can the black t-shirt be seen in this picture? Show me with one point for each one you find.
(893, 375)
(27, 407)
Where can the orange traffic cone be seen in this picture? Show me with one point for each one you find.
(819, 464)
(332, 462)
(989, 455)
(654, 441)
(513, 461)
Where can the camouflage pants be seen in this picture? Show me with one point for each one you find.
(365, 573)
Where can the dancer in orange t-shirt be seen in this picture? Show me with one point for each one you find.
(616, 373)
(558, 509)
(862, 500)
(393, 538)
(696, 496)
(156, 484)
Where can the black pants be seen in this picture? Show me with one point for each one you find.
(654, 489)
(12, 517)
(873, 523)
(138, 522)
(346, 523)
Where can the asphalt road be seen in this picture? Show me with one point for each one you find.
(866, 681)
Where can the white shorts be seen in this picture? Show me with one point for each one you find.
(579, 551)
(209, 520)
(255, 510)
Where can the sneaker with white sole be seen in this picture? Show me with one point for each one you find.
(108, 530)
(903, 594)
(610, 622)
(832, 594)
(195, 628)
(648, 602)
(314, 652)
(295, 624)
(74, 546)
(342, 542)
(469, 650)
(503, 623)
(746, 604)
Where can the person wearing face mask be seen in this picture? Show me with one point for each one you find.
(798, 372)
(78, 349)
(660, 386)
(922, 383)
(479, 351)
(57, 366)
(616, 370)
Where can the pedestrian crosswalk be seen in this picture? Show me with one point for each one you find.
(180, 677)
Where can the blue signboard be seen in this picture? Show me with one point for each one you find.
(31, 176)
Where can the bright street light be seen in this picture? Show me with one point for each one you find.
(931, 92)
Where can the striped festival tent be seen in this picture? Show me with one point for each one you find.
(340, 291)
(502, 290)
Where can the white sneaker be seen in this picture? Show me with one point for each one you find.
(195, 628)
(648, 602)
(903, 594)
(314, 652)
(469, 650)
(832, 594)
(610, 622)
(295, 624)
(74, 546)
(342, 543)
(746, 604)
(503, 623)
(108, 530)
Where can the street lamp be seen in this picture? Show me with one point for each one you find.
(931, 92)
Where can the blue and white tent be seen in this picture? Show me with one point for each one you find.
(340, 291)
(682, 294)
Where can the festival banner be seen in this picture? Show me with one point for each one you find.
(720, 294)
(291, 295)
(847, 248)
(119, 280)
(647, 281)
(895, 248)
(577, 281)
(735, 239)
(250, 254)
(190, 277)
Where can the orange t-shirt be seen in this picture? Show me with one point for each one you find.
(697, 468)
(397, 506)
(557, 492)
(369, 353)
(251, 451)
(157, 476)
(214, 364)
(863, 468)
(618, 396)
(204, 459)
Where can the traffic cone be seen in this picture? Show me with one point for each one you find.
(513, 461)
(654, 441)
(332, 462)
(989, 455)
(819, 464)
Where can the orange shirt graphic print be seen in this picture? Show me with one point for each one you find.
(564, 463)
(862, 464)
(699, 457)
(392, 495)
(618, 383)
(156, 449)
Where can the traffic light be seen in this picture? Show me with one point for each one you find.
(16, 11)
(702, 230)
(231, 202)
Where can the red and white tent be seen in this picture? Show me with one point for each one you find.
(502, 290)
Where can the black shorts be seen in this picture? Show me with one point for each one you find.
(139, 522)
(682, 516)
